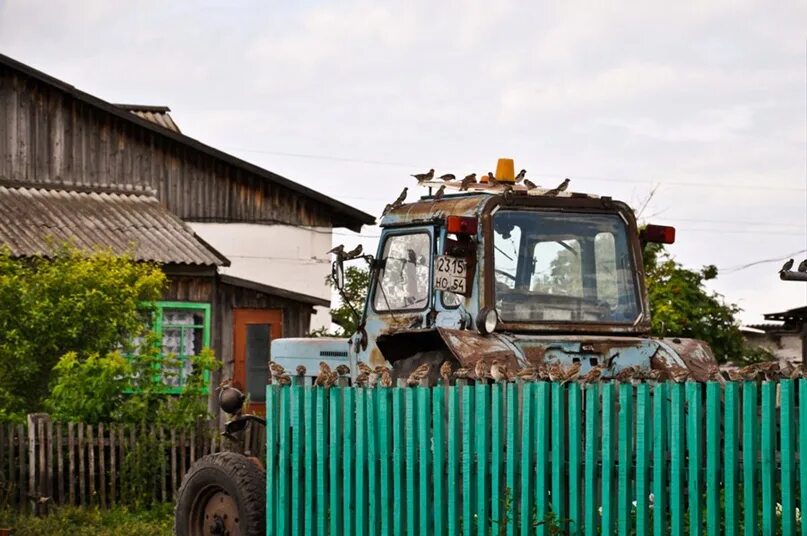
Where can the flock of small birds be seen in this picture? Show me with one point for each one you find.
(788, 265)
(498, 372)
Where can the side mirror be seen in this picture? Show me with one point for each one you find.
(338, 273)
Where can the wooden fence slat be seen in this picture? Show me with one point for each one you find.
(575, 412)
(285, 453)
(272, 411)
(527, 443)
(410, 471)
(660, 408)
(453, 462)
(173, 460)
(398, 457)
(677, 458)
(373, 521)
(608, 429)
(82, 486)
(59, 461)
(349, 449)
(31, 462)
(749, 445)
(321, 459)
(788, 460)
(625, 459)
(296, 459)
(768, 466)
(93, 499)
(694, 459)
(542, 455)
(102, 465)
(424, 456)
(52, 471)
(438, 462)
(71, 463)
(713, 455)
(497, 492)
(558, 441)
(360, 528)
(590, 503)
(802, 385)
(308, 459)
(11, 457)
(385, 457)
(481, 451)
(643, 450)
(512, 457)
(467, 424)
(335, 456)
(731, 440)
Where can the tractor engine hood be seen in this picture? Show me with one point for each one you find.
(608, 352)
(309, 352)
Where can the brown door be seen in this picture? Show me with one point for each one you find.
(253, 331)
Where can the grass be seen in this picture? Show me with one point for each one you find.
(75, 521)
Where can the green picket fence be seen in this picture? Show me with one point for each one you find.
(537, 458)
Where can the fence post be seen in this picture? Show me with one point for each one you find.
(677, 456)
(660, 408)
(695, 461)
(643, 448)
(731, 440)
(713, 458)
(625, 456)
(788, 457)
(608, 430)
(749, 458)
(768, 457)
(590, 470)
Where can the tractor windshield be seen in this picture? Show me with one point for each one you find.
(553, 266)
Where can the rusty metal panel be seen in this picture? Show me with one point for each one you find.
(470, 347)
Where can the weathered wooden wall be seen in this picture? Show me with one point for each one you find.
(49, 137)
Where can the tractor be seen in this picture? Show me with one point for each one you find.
(495, 271)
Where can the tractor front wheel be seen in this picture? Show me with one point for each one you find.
(223, 494)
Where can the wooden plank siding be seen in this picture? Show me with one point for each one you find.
(53, 138)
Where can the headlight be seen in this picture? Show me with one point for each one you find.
(487, 320)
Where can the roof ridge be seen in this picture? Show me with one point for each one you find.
(129, 190)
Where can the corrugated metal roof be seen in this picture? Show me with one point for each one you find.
(156, 114)
(37, 221)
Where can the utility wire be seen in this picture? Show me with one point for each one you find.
(733, 269)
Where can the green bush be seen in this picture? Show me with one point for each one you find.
(72, 521)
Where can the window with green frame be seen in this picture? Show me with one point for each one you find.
(184, 330)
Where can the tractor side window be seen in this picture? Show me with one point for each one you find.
(403, 284)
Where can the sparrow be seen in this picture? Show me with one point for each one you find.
(647, 374)
(480, 370)
(353, 253)
(625, 374)
(530, 185)
(787, 265)
(448, 177)
(343, 370)
(439, 193)
(558, 189)
(386, 378)
(411, 256)
(300, 370)
(364, 368)
(339, 250)
(361, 380)
(418, 374)
(324, 368)
(527, 374)
(423, 177)
(401, 198)
(678, 374)
(802, 266)
(521, 175)
(372, 379)
(283, 379)
(555, 372)
(462, 373)
(467, 181)
(498, 372)
(275, 369)
(570, 372)
(491, 178)
(445, 371)
(326, 380)
(592, 375)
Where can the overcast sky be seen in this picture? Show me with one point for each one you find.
(707, 103)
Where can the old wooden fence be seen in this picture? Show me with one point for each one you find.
(44, 463)
(537, 458)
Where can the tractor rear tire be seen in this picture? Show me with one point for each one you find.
(222, 494)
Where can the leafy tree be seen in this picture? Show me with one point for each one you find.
(84, 305)
(357, 281)
(681, 306)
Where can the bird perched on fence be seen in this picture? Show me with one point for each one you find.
(419, 374)
(423, 177)
(677, 373)
(592, 375)
(571, 372)
(372, 378)
(625, 374)
(530, 185)
(787, 265)
(300, 370)
(521, 175)
(364, 368)
(324, 368)
(343, 370)
(325, 378)
(445, 371)
(498, 372)
(439, 193)
(447, 177)
(339, 250)
(467, 181)
(353, 253)
(361, 380)
(647, 374)
(558, 189)
(462, 373)
(385, 378)
(481, 370)
(283, 379)
(275, 369)
(528, 374)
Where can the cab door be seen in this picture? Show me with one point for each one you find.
(253, 332)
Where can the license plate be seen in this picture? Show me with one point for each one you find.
(451, 274)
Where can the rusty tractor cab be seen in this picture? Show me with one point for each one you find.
(495, 272)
